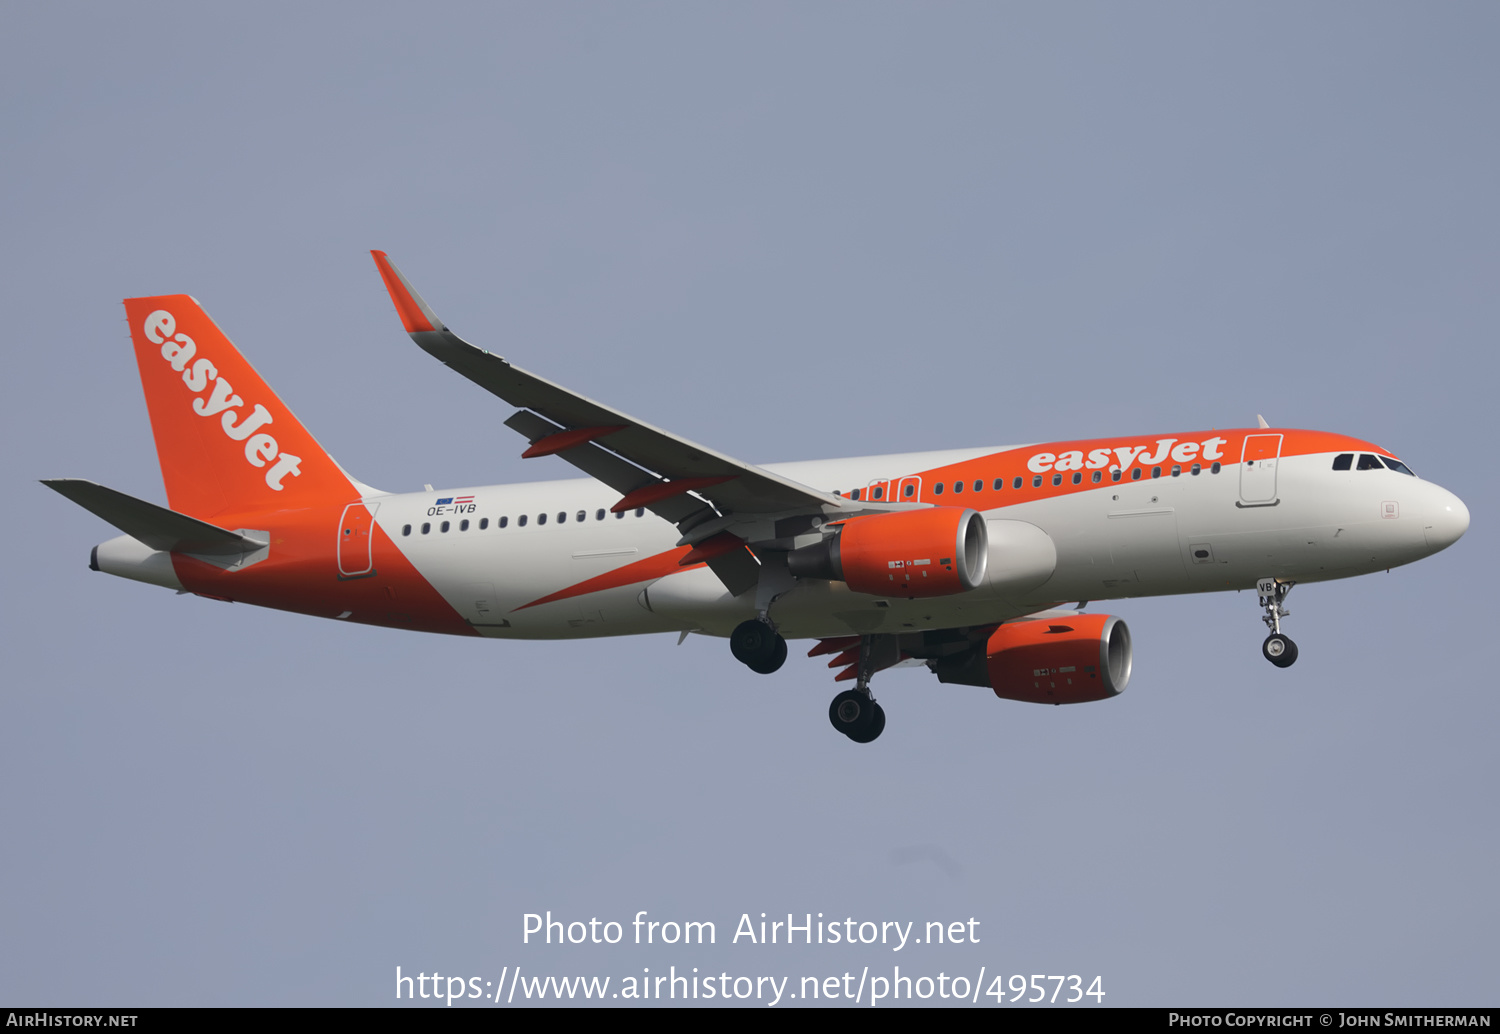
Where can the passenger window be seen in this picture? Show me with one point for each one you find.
(1098, 476)
(521, 521)
(1078, 478)
(582, 516)
(937, 488)
(463, 525)
(443, 527)
(1156, 472)
(1176, 470)
(1197, 469)
(599, 515)
(958, 486)
(640, 511)
(1114, 475)
(484, 522)
(978, 485)
(1343, 461)
(1398, 466)
(1135, 473)
(502, 522)
(878, 493)
(999, 484)
(854, 495)
(541, 518)
(426, 528)
(406, 529)
(1017, 483)
(1216, 467)
(909, 490)
(1036, 482)
(1056, 479)
(1368, 462)
(619, 515)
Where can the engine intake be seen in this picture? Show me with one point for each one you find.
(939, 551)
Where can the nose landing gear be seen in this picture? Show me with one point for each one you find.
(1278, 649)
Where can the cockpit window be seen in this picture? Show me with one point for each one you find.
(1368, 462)
(1398, 466)
(1343, 461)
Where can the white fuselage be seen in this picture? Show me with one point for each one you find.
(1189, 533)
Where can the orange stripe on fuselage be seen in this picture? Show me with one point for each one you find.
(300, 574)
(1014, 463)
(647, 570)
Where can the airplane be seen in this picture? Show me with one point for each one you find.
(963, 561)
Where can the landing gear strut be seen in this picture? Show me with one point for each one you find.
(758, 646)
(854, 712)
(1278, 649)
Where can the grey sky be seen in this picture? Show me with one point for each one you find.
(789, 231)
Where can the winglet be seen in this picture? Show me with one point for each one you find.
(1261, 421)
(416, 316)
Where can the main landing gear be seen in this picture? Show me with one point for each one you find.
(758, 646)
(854, 712)
(1278, 649)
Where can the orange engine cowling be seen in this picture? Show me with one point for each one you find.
(1064, 660)
(914, 553)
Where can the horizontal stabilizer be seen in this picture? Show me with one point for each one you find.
(156, 526)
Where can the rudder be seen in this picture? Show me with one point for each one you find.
(225, 441)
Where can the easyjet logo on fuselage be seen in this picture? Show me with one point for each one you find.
(260, 448)
(1127, 455)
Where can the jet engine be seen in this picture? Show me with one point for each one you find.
(1059, 658)
(913, 553)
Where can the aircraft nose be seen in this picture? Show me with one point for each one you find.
(1447, 520)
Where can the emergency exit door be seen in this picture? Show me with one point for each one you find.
(1258, 469)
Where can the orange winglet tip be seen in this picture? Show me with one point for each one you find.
(416, 317)
(837, 644)
(555, 443)
(655, 493)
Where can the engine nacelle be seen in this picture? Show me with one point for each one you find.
(1060, 660)
(913, 553)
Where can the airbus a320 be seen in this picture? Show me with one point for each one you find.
(976, 563)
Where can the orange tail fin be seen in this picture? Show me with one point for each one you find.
(226, 443)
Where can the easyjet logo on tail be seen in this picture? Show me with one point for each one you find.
(261, 449)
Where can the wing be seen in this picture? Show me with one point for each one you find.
(703, 492)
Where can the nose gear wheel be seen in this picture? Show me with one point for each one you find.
(1278, 648)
